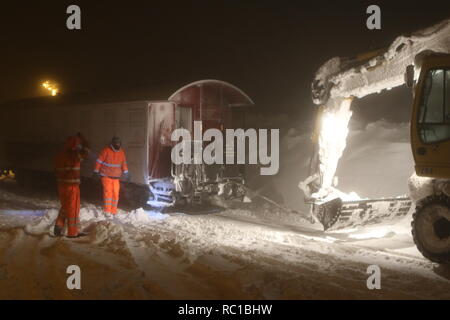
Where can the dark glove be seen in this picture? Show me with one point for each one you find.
(84, 142)
(126, 177)
(96, 175)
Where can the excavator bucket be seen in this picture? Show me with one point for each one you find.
(338, 214)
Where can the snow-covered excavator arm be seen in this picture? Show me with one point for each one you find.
(336, 84)
(340, 80)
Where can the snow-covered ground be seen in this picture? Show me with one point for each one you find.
(248, 251)
(232, 254)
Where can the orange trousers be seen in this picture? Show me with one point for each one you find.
(69, 196)
(111, 188)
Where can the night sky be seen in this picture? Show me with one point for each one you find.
(270, 49)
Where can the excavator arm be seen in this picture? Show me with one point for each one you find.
(336, 84)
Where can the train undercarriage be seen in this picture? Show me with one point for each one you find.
(195, 184)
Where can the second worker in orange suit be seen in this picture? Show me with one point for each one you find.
(111, 165)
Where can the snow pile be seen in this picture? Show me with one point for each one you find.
(42, 225)
(90, 215)
(27, 202)
(141, 217)
(138, 217)
(419, 187)
(269, 214)
(107, 234)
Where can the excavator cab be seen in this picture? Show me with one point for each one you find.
(430, 122)
(430, 143)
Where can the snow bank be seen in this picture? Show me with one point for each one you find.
(419, 187)
(141, 217)
(91, 215)
(43, 224)
(107, 234)
(270, 215)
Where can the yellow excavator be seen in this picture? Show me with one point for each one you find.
(422, 62)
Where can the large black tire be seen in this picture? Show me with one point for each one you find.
(431, 228)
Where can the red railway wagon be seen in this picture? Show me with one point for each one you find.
(144, 120)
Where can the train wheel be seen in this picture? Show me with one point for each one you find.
(431, 228)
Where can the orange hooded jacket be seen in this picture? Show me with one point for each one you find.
(111, 163)
(68, 161)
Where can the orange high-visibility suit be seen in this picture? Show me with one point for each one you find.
(111, 163)
(67, 168)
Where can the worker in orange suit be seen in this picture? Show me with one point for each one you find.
(111, 166)
(67, 169)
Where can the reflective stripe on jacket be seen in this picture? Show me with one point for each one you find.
(67, 166)
(111, 163)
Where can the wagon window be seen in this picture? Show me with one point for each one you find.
(434, 112)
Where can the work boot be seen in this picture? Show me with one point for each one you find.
(79, 235)
(57, 231)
